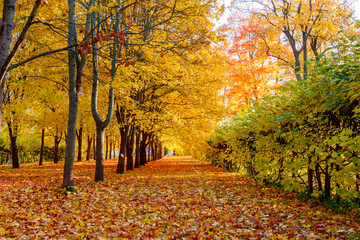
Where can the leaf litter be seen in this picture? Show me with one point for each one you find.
(173, 198)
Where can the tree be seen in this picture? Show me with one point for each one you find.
(76, 65)
(305, 27)
(7, 36)
(251, 71)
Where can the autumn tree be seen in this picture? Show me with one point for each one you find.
(7, 52)
(76, 63)
(251, 71)
(304, 27)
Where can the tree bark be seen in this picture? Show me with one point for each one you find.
(122, 152)
(130, 149)
(80, 139)
(75, 77)
(107, 147)
(99, 170)
(42, 147)
(310, 180)
(137, 149)
(94, 146)
(114, 152)
(89, 141)
(327, 182)
(153, 150)
(57, 140)
(14, 148)
(101, 125)
(111, 149)
(143, 148)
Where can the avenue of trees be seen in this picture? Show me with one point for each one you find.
(81, 79)
(84, 80)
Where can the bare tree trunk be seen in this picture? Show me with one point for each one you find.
(107, 147)
(89, 141)
(94, 146)
(137, 149)
(57, 140)
(130, 149)
(99, 170)
(14, 148)
(80, 138)
(42, 147)
(114, 146)
(122, 152)
(111, 149)
(143, 148)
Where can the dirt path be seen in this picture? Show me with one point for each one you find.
(174, 198)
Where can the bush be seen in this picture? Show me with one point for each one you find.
(306, 138)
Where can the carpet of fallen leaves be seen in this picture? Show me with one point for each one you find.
(173, 198)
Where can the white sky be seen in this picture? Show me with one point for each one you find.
(227, 4)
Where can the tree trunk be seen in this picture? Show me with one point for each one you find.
(327, 182)
(94, 146)
(310, 180)
(14, 148)
(89, 141)
(42, 147)
(110, 153)
(122, 152)
(305, 54)
(68, 178)
(153, 150)
(114, 152)
(318, 177)
(101, 125)
(80, 138)
(57, 140)
(75, 77)
(148, 152)
(137, 149)
(143, 148)
(99, 170)
(107, 147)
(130, 149)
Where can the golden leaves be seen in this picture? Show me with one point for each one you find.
(176, 197)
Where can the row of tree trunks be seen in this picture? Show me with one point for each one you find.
(110, 147)
(128, 135)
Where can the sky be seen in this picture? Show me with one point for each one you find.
(227, 4)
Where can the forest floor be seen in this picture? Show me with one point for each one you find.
(173, 198)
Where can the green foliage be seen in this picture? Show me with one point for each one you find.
(71, 189)
(65, 190)
(305, 138)
(342, 206)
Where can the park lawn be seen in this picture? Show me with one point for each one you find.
(173, 198)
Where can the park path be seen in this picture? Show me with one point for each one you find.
(173, 198)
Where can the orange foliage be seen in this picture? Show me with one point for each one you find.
(176, 197)
(251, 69)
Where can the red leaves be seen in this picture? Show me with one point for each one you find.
(98, 38)
(127, 63)
(171, 198)
(119, 35)
(84, 48)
